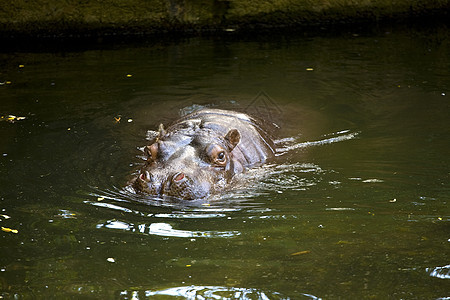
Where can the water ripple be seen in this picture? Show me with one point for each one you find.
(290, 144)
(439, 272)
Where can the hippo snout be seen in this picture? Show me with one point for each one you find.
(145, 182)
(175, 184)
(179, 178)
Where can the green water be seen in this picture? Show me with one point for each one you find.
(357, 209)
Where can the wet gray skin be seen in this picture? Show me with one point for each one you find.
(199, 154)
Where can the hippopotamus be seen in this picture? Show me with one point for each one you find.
(199, 154)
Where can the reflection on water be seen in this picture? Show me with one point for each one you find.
(211, 292)
(164, 229)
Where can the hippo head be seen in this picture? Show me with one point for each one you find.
(188, 162)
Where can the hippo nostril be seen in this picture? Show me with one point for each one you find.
(178, 177)
(145, 176)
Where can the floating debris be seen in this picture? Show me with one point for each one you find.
(341, 242)
(6, 229)
(300, 253)
(11, 118)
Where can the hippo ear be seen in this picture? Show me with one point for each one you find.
(233, 137)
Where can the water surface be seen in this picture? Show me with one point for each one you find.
(357, 206)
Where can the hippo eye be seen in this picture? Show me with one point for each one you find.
(221, 156)
(217, 155)
(152, 151)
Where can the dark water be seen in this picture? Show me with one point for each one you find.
(356, 209)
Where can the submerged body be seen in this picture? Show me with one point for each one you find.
(199, 154)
